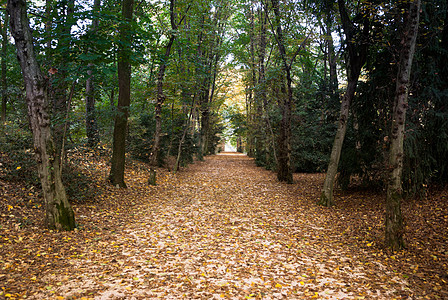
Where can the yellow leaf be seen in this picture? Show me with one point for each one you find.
(369, 244)
(33, 278)
(60, 298)
(18, 168)
(8, 295)
(278, 285)
(302, 283)
(10, 207)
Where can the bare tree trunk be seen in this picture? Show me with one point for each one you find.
(4, 79)
(116, 176)
(394, 221)
(59, 214)
(91, 124)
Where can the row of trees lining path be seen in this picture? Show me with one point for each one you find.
(50, 124)
(223, 228)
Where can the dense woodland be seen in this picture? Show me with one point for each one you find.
(356, 89)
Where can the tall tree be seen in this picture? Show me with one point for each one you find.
(286, 101)
(60, 64)
(4, 78)
(59, 214)
(91, 124)
(160, 98)
(357, 46)
(394, 222)
(116, 175)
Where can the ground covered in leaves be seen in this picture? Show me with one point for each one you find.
(222, 228)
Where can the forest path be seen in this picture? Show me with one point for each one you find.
(230, 229)
(223, 228)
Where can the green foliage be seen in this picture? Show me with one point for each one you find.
(17, 164)
(142, 134)
(426, 137)
(16, 154)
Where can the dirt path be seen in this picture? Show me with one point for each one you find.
(222, 229)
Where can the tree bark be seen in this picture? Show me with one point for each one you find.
(160, 99)
(116, 176)
(357, 46)
(284, 169)
(394, 220)
(91, 124)
(4, 78)
(59, 214)
(333, 84)
(250, 99)
(327, 190)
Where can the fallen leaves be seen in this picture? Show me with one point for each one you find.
(223, 228)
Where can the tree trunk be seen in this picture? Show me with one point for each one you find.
(357, 46)
(59, 93)
(181, 142)
(160, 99)
(116, 176)
(4, 79)
(394, 221)
(59, 214)
(326, 198)
(250, 99)
(263, 122)
(91, 124)
(333, 84)
(284, 169)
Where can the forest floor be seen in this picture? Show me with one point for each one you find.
(219, 229)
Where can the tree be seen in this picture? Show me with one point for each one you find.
(116, 176)
(59, 214)
(91, 124)
(4, 79)
(286, 101)
(160, 98)
(357, 46)
(394, 222)
(59, 62)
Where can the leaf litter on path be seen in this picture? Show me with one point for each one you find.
(221, 229)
